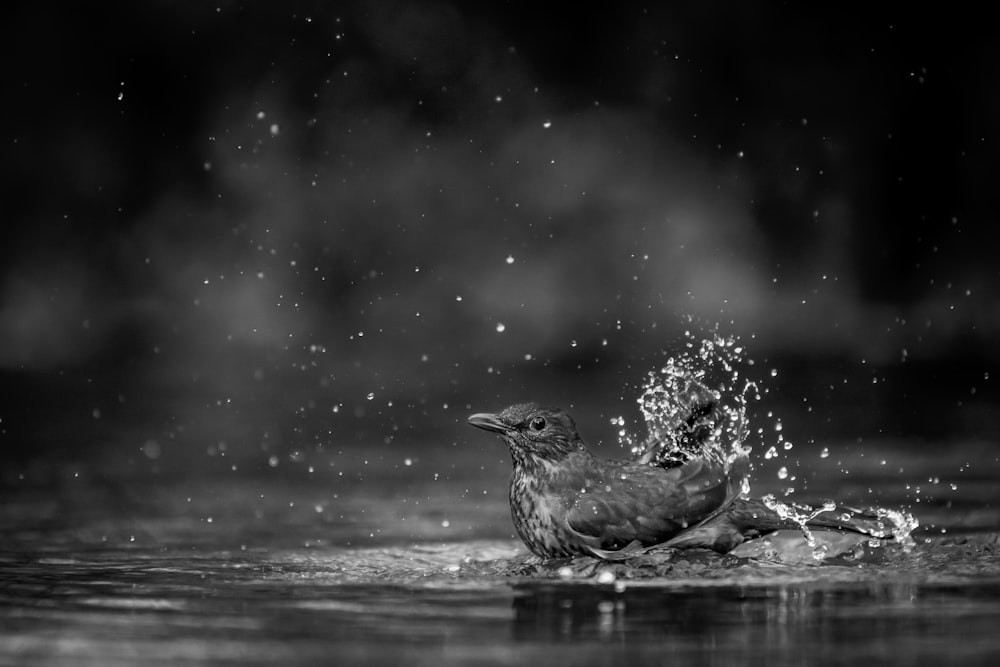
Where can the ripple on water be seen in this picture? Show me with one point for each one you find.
(784, 556)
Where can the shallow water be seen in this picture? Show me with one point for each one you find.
(396, 566)
(426, 604)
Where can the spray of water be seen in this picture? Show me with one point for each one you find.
(695, 406)
(801, 515)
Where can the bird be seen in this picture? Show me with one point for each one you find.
(565, 502)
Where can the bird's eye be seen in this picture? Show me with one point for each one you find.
(537, 424)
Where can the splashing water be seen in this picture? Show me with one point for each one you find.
(891, 524)
(801, 515)
(879, 523)
(695, 406)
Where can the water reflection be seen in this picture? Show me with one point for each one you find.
(890, 619)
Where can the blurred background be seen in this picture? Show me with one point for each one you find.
(245, 238)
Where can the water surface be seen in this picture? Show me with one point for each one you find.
(393, 566)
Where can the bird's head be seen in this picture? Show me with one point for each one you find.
(532, 431)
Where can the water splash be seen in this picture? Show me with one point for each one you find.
(695, 407)
(883, 526)
(895, 524)
(801, 515)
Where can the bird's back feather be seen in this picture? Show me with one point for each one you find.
(617, 503)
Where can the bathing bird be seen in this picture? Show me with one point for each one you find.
(566, 502)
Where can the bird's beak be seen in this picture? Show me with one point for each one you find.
(488, 422)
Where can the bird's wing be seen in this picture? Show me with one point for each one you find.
(633, 502)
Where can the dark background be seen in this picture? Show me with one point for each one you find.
(292, 230)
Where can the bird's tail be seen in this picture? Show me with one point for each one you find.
(761, 516)
(747, 518)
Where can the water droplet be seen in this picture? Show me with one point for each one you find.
(273, 461)
(825, 453)
(501, 327)
(510, 259)
(606, 577)
(371, 395)
(151, 448)
(782, 472)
